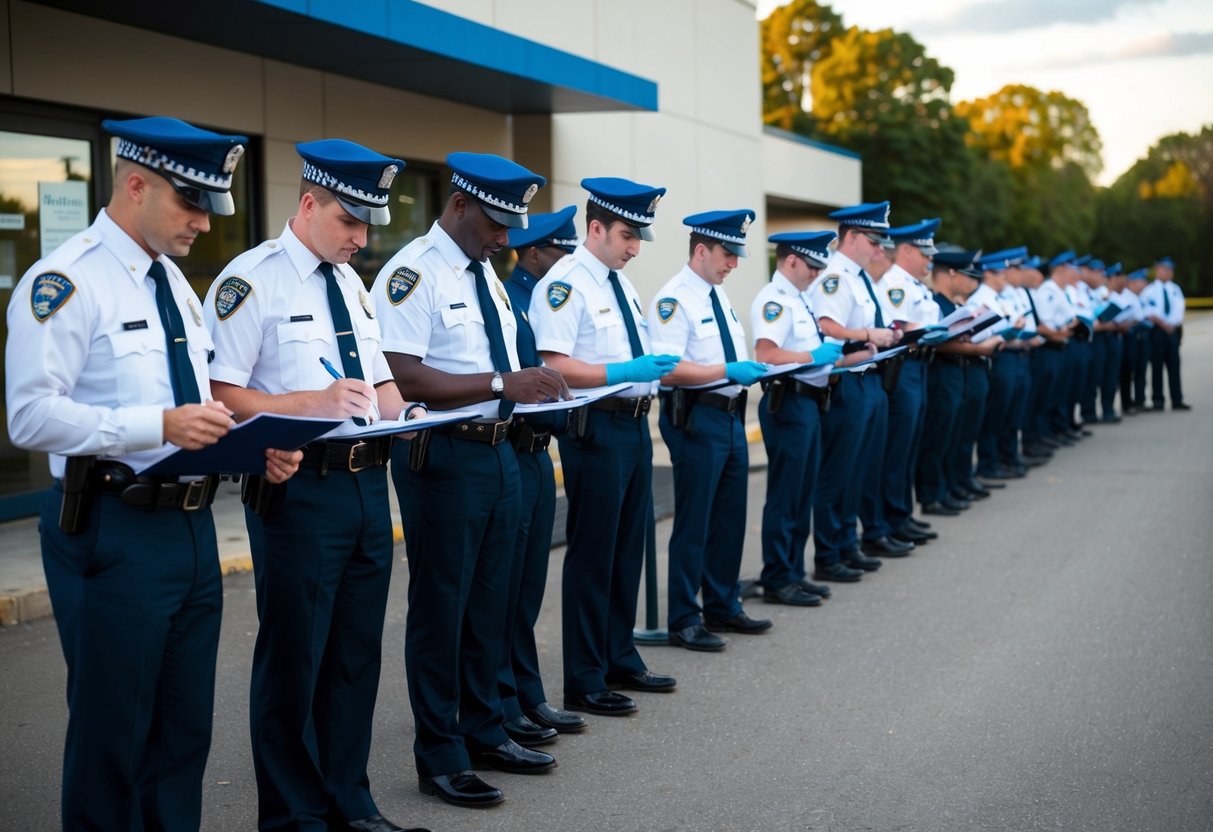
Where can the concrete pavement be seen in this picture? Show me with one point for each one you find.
(1046, 665)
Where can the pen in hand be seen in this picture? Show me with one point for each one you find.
(332, 371)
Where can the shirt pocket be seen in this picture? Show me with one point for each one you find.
(301, 345)
(140, 366)
(465, 333)
(706, 342)
(610, 336)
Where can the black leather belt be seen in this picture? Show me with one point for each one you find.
(721, 402)
(150, 492)
(817, 394)
(489, 431)
(527, 440)
(952, 358)
(1055, 345)
(351, 455)
(635, 407)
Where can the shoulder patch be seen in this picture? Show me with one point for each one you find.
(830, 284)
(558, 294)
(771, 311)
(666, 307)
(401, 284)
(50, 292)
(897, 296)
(231, 294)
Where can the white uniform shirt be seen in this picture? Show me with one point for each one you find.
(574, 312)
(902, 298)
(1152, 299)
(987, 297)
(1016, 305)
(684, 323)
(1131, 304)
(1052, 305)
(91, 376)
(431, 310)
(780, 314)
(274, 338)
(840, 294)
(1026, 306)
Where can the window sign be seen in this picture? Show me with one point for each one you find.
(62, 212)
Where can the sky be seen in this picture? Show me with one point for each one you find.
(1143, 68)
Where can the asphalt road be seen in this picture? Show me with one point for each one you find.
(1046, 665)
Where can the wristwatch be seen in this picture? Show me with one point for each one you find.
(497, 385)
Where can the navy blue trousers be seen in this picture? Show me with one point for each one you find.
(792, 438)
(973, 409)
(138, 601)
(999, 410)
(460, 515)
(1164, 352)
(323, 559)
(1017, 414)
(1133, 367)
(857, 403)
(893, 499)
(711, 469)
(519, 681)
(608, 478)
(940, 429)
(1095, 367)
(1043, 365)
(1110, 383)
(1079, 353)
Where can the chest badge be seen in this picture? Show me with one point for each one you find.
(830, 285)
(401, 284)
(558, 294)
(897, 297)
(194, 313)
(51, 291)
(666, 307)
(771, 311)
(501, 294)
(231, 294)
(366, 304)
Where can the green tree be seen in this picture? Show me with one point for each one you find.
(794, 37)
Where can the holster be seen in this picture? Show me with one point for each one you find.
(775, 389)
(680, 404)
(257, 493)
(578, 425)
(890, 372)
(73, 510)
(419, 448)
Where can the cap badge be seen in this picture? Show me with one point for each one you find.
(745, 224)
(233, 156)
(389, 173)
(530, 194)
(653, 204)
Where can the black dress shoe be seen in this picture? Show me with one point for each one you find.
(837, 573)
(912, 533)
(525, 732)
(741, 623)
(563, 722)
(820, 590)
(939, 510)
(697, 637)
(1130, 411)
(983, 488)
(1158, 406)
(644, 681)
(1110, 419)
(1050, 442)
(794, 595)
(603, 703)
(1031, 461)
(886, 547)
(1181, 406)
(954, 504)
(964, 494)
(858, 560)
(376, 823)
(512, 757)
(923, 525)
(463, 788)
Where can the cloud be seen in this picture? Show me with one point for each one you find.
(1166, 45)
(1002, 16)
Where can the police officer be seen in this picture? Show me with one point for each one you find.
(1164, 304)
(1137, 346)
(786, 332)
(451, 340)
(589, 325)
(1003, 374)
(1018, 350)
(1094, 280)
(903, 297)
(953, 277)
(1082, 345)
(112, 365)
(1044, 299)
(530, 720)
(1060, 313)
(322, 548)
(844, 301)
(691, 316)
(1117, 325)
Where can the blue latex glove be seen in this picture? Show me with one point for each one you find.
(642, 369)
(827, 354)
(934, 336)
(744, 372)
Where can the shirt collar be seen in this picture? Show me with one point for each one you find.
(597, 269)
(301, 257)
(449, 249)
(781, 282)
(848, 265)
(698, 286)
(122, 246)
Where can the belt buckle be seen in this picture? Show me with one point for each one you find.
(353, 466)
(500, 431)
(195, 495)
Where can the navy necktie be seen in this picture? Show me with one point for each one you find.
(347, 344)
(1166, 299)
(1032, 303)
(628, 320)
(492, 328)
(726, 337)
(872, 292)
(180, 370)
